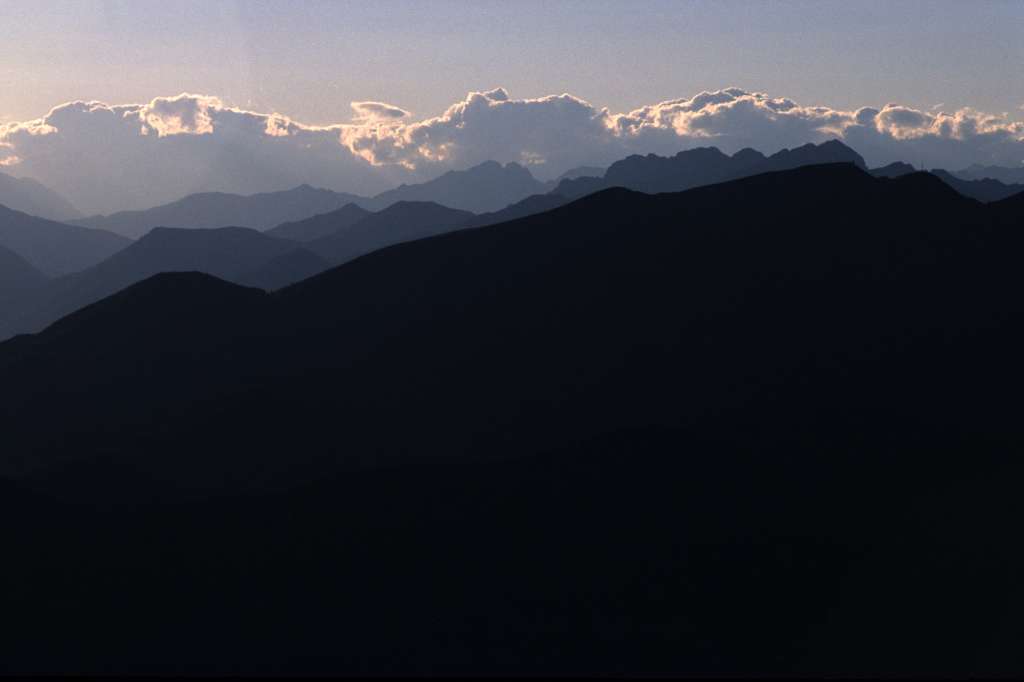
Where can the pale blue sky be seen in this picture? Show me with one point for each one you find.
(310, 59)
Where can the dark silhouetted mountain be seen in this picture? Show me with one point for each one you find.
(288, 268)
(1008, 176)
(653, 174)
(55, 248)
(581, 172)
(232, 253)
(893, 170)
(768, 426)
(215, 209)
(832, 151)
(400, 222)
(986, 190)
(486, 187)
(574, 188)
(29, 196)
(538, 203)
(17, 276)
(321, 225)
(224, 252)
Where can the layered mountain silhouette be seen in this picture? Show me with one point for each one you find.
(234, 253)
(765, 426)
(242, 255)
(538, 203)
(581, 172)
(17, 276)
(216, 209)
(1005, 175)
(32, 197)
(703, 166)
(489, 186)
(893, 170)
(762, 426)
(983, 190)
(400, 222)
(986, 190)
(321, 225)
(280, 271)
(55, 248)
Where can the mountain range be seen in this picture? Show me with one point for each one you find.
(295, 250)
(216, 209)
(56, 248)
(29, 196)
(985, 190)
(1007, 176)
(761, 426)
(703, 166)
(489, 186)
(17, 276)
(233, 253)
(400, 222)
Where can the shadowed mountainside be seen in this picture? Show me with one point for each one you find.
(986, 190)
(237, 254)
(29, 196)
(757, 427)
(703, 166)
(400, 222)
(1007, 176)
(322, 225)
(280, 271)
(893, 170)
(216, 209)
(17, 276)
(488, 186)
(55, 248)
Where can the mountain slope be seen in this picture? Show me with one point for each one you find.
(17, 276)
(488, 186)
(986, 190)
(281, 271)
(231, 253)
(893, 170)
(315, 227)
(214, 209)
(29, 196)
(401, 222)
(704, 166)
(1007, 176)
(55, 248)
(538, 203)
(759, 427)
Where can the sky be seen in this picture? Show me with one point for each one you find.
(309, 61)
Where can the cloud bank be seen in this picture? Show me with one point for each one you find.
(110, 157)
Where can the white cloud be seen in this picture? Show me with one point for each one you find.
(373, 111)
(106, 157)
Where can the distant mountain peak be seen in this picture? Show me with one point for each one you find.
(689, 168)
(34, 198)
(485, 187)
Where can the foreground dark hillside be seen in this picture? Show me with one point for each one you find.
(763, 426)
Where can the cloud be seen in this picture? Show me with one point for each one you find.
(373, 111)
(181, 115)
(560, 129)
(107, 157)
